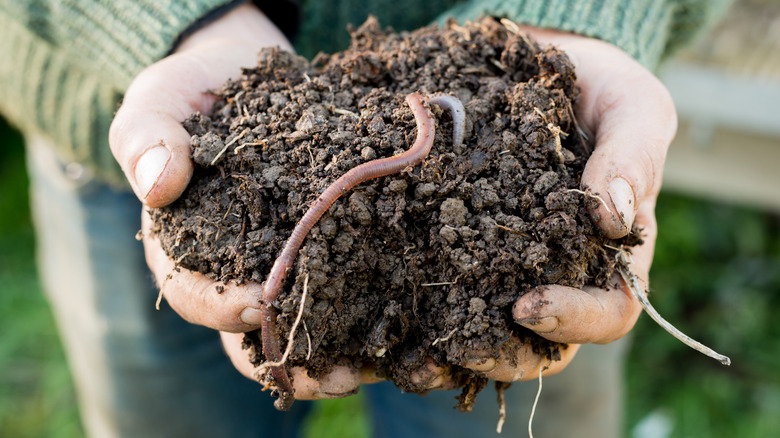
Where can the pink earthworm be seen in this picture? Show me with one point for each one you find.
(366, 171)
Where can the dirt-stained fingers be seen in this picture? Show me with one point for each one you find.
(517, 361)
(591, 314)
(566, 314)
(431, 376)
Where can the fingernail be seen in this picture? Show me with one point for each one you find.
(331, 395)
(547, 324)
(150, 167)
(483, 364)
(341, 382)
(251, 316)
(622, 195)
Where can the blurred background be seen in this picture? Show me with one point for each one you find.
(716, 273)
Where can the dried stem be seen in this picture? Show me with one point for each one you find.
(638, 291)
(446, 338)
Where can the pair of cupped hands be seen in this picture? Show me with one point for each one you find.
(623, 107)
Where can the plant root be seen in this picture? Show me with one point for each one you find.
(638, 291)
(264, 366)
(536, 400)
(176, 267)
(500, 387)
(591, 196)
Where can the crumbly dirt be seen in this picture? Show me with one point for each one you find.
(423, 264)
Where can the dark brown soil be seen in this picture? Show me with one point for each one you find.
(437, 252)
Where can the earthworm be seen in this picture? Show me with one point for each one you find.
(366, 171)
(455, 107)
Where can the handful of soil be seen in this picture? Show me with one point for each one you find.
(422, 264)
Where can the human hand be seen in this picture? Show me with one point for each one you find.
(149, 142)
(632, 118)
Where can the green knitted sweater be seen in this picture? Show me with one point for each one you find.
(66, 63)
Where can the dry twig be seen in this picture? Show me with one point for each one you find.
(638, 291)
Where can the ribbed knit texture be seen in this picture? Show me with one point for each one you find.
(648, 30)
(65, 63)
(46, 91)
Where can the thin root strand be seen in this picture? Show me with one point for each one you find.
(265, 365)
(500, 387)
(536, 400)
(591, 196)
(637, 290)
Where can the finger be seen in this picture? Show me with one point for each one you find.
(341, 381)
(591, 315)
(232, 343)
(199, 299)
(518, 362)
(634, 120)
(146, 137)
(431, 376)
(569, 315)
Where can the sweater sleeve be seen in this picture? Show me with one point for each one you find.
(648, 30)
(68, 62)
(117, 38)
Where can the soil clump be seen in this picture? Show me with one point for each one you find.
(423, 264)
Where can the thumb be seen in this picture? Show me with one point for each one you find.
(146, 136)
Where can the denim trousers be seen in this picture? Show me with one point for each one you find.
(141, 372)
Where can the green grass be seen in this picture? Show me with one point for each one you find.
(716, 276)
(36, 394)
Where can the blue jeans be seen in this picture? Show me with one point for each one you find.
(140, 372)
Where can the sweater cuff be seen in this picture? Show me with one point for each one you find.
(121, 37)
(640, 27)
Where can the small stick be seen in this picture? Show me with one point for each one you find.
(249, 143)
(636, 289)
(443, 283)
(590, 195)
(344, 112)
(370, 170)
(462, 30)
(558, 146)
(511, 26)
(446, 338)
(308, 339)
(230, 143)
